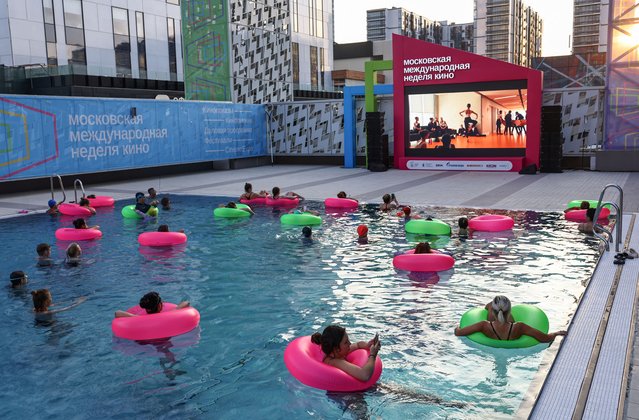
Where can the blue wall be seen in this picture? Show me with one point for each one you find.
(42, 135)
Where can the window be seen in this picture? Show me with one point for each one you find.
(74, 32)
(49, 32)
(170, 26)
(139, 24)
(319, 19)
(314, 68)
(311, 17)
(121, 41)
(176, 2)
(296, 27)
(296, 63)
(322, 63)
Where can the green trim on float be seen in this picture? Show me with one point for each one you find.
(129, 212)
(528, 314)
(427, 227)
(230, 213)
(300, 219)
(593, 204)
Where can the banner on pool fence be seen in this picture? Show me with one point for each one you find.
(41, 135)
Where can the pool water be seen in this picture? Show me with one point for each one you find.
(257, 286)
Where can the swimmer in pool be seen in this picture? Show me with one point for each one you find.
(463, 226)
(80, 223)
(343, 194)
(44, 254)
(389, 202)
(152, 303)
(501, 326)
(336, 346)
(84, 202)
(53, 208)
(362, 234)
(232, 205)
(165, 228)
(18, 279)
(423, 248)
(288, 196)
(42, 301)
(250, 195)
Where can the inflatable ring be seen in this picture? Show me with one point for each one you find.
(434, 261)
(129, 212)
(580, 215)
(72, 234)
(282, 202)
(300, 219)
(254, 201)
(230, 213)
(102, 201)
(168, 323)
(593, 204)
(304, 359)
(491, 223)
(427, 227)
(528, 314)
(161, 238)
(341, 203)
(71, 209)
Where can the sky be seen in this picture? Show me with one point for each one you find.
(350, 18)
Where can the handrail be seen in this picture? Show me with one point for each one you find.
(75, 189)
(64, 195)
(618, 221)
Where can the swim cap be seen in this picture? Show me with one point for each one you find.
(139, 195)
(362, 230)
(52, 203)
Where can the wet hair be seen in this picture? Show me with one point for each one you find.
(91, 196)
(590, 214)
(163, 228)
(422, 248)
(231, 205)
(307, 231)
(84, 202)
(79, 223)
(386, 198)
(329, 340)
(462, 222)
(501, 307)
(248, 187)
(41, 248)
(17, 278)
(341, 194)
(467, 105)
(41, 300)
(165, 201)
(584, 205)
(151, 302)
(74, 250)
(150, 189)
(276, 191)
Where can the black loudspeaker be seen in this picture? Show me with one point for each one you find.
(551, 150)
(376, 142)
(529, 170)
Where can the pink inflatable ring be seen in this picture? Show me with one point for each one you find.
(491, 223)
(168, 323)
(72, 234)
(304, 359)
(434, 261)
(282, 202)
(101, 201)
(71, 209)
(161, 238)
(580, 215)
(341, 203)
(254, 201)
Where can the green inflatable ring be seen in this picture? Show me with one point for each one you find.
(528, 314)
(427, 227)
(129, 212)
(230, 213)
(300, 219)
(593, 204)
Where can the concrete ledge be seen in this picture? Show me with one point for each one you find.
(617, 160)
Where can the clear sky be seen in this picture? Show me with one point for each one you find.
(350, 18)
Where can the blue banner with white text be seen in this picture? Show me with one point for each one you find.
(43, 135)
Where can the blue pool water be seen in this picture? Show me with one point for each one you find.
(257, 286)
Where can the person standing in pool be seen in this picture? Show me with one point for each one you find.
(463, 227)
(152, 303)
(44, 255)
(501, 326)
(588, 225)
(362, 234)
(336, 346)
(389, 202)
(53, 208)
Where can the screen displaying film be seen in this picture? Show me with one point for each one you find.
(466, 120)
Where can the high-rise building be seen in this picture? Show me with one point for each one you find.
(507, 30)
(381, 24)
(590, 26)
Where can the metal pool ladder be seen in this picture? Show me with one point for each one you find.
(75, 189)
(618, 221)
(64, 195)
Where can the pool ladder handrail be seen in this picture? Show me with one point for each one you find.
(75, 190)
(618, 221)
(64, 195)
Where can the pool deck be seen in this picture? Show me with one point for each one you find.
(595, 373)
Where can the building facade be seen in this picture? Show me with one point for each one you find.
(507, 30)
(381, 24)
(590, 26)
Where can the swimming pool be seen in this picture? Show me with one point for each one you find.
(257, 286)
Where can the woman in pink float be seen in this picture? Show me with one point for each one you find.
(152, 303)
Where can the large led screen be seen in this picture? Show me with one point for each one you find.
(466, 120)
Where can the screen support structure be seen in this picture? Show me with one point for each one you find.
(370, 69)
